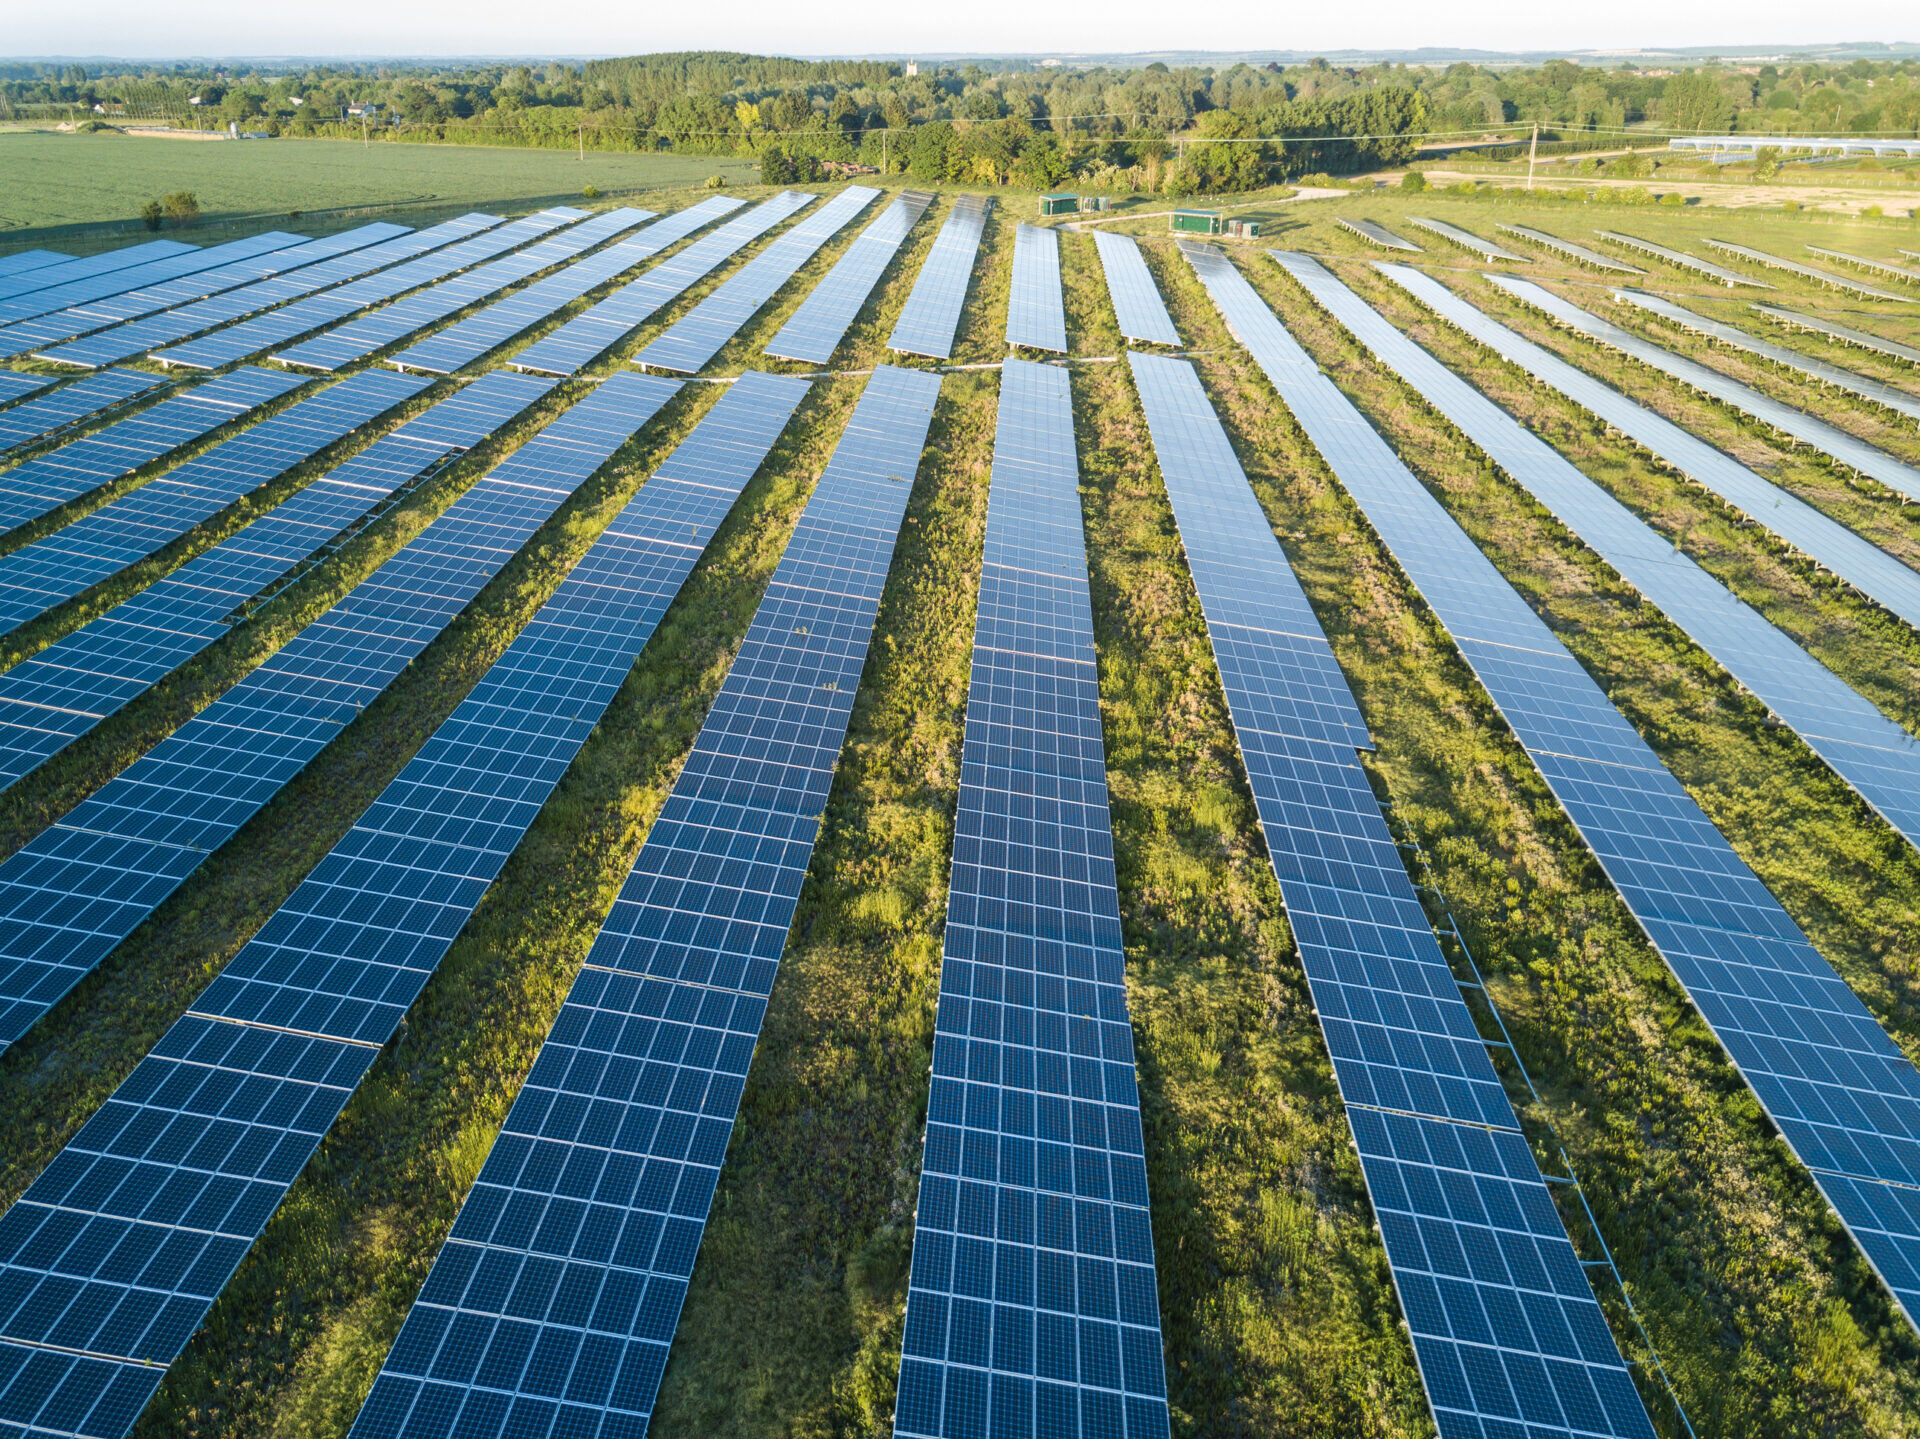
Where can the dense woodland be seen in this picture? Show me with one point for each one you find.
(1178, 130)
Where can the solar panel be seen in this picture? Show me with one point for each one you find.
(1833, 546)
(594, 331)
(602, 1215)
(1841, 1093)
(697, 337)
(81, 886)
(1032, 1294)
(1684, 261)
(1883, 267)
(99, 291)
(360, 338)
(44, 483)
(50, 571)
(1879, 393)
(45, 417)
(51, 699)
(1036, 312)
(45, 334)
(1137, 306)
(1506, 1329)
(14, 385)
(1805, 272)
(1834, 330)
(464, 342)
(1571, 250)
(68, 270)
(1868, 459)
(932, 313)
(814, 331)
(21, 261)
(1467, 240)
(1869, 751)
(1375, 233)
(430, 255)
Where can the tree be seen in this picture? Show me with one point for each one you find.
(182, 207)
(1413, 180)
(151, 214)
(1694, 102)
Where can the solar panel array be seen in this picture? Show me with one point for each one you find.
(552, 1305)
(593, 332)
(1868, 459)
(1872, 753)
(1378, 234)
(1467, 240)
(1840, 1091)
(1867, 389)
(45, 333)
(1137, 306)
(102, 292)
(469, 339)
(698, 336)
(46, 482)
(20, 261)
(1571, 250)
(443, 250)
(1834, 330)
(50, 571)
(1032, 1296)
(1883, 267)
(68, 405)
(814, 331)
(67, 270)
(80, 887)
(1805, 272)
(1828, 543)
(931, 316)
(360, 338)
(135, 337)
(337, 964)
(1684, 261)
(1036, 312)
(14, 385)
(57, 695)
(1508, 1335)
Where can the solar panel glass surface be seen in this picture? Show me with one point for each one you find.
(78, 888)
(22, 261)
(814, 331)
(41, 277)
(932, 313)
(1882, 267)
(1036, 312)
(595, 1194)
(1841, 1092)
(594, 331)
(1805, 272)
(1834, 330)
(1506, 1330)
(1465, 239)
(100, 292)
(1375, 233)
(14, 385)
(68, 405)
(698, 336)
(1683, 260)
(1571, 250)
(1137, 306)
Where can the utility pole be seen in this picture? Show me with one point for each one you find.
(1533, 148)
(885, 136)
(580, 134)
(366, 142)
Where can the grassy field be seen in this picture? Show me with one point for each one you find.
(1278, 1312)
(56, 182)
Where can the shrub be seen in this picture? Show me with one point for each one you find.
(1790, 205)
(1673, 197)
(714, 182)
(590, 192)
(1872, 212)
(182, 207)
(151, 214)
(1413, 180)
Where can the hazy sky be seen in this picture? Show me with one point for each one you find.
(359, 27)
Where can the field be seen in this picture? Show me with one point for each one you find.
(1278, 1311)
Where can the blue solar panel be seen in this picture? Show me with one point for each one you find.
(99, 292)
(1374, 233)
(1805, 272)
(1572, 251)
(1842, 1094)
(814, 331)
(1137, 306)
(430, 255)
(21, 261)
(362, 337)
(697, 336)
(14, 385)
(68, 270)
(1509, 1337)
(45, 334)
(50, 571)
(597, 1189)
(1032, 1297)
(1683, 260)
(931, 316)
(46, 482)
(338, 964)
(80, 887)
(1846, 335)
(594, 331)
(1867, 459)
(51, 699)
(1833, 546)
(68, 405)
(1036, 312)
(466, 341)
(1465, 239)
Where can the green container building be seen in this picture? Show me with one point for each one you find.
(1195, 222)
(1059, 204)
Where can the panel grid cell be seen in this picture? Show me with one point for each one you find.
(1036, 311)
(553, 1303)
(1374, 233)
(81, 886)
(814, 331)
(1684, 261)
(1805, 272)
(103, 293)
(15, 386)
(1834, 330)
(931, 316)
(66, 270)
(1466, 240)
(1572, 250)
(1137, 306)
(83, 399)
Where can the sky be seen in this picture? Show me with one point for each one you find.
(211, 28)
